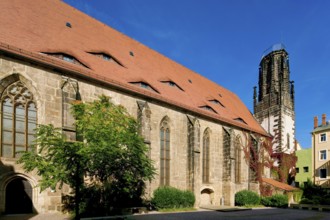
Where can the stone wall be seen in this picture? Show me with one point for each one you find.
(45, 85)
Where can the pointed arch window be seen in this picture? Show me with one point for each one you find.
(18, 120)
(253, 157)
(165, 152)
(70, 93)
(206, 156)
(226, 154)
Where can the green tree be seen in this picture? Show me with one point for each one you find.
(106, 170)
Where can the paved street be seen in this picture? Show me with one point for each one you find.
(256, 214)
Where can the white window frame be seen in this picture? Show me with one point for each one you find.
(326, 155)
(326, 173)
(324, 135)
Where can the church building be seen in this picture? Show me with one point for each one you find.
(52, 54)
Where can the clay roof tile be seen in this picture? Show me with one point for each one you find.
(42, 26)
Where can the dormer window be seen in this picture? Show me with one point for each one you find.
(144, 85)
(172, 84)
(217, 102)
(67, 58)
(208, 108)
(240, 120)
(106, 57)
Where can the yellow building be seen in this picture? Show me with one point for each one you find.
(321, 150)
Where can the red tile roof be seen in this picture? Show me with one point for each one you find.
(30, 28)
(279, 185)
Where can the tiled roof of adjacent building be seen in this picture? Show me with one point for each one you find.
(279, 185)
(44, 30)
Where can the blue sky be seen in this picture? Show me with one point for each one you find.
(224, 41)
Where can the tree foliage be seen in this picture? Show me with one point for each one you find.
(109, 162)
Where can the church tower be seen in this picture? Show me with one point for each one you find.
(274, 104)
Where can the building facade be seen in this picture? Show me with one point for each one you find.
(194, 128)
(320, 152)
(304, 168)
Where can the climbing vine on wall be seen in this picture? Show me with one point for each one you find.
(259, 154)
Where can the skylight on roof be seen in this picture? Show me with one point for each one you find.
(68, 24)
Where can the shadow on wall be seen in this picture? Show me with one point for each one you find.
(16, 192)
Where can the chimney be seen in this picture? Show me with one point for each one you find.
(316, 123)
(323, 119)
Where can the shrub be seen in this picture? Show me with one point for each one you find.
(266, 201)
(306, 201)
(279, 200)
(169, 197)
(325, 200)
(246, 197)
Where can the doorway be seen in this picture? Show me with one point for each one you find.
(18, 196)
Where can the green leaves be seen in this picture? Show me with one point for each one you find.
(110, 153)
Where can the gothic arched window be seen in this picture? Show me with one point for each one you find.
(253, 157)
(165, 152)
(18, 120)
(206, 156)
(226, 154)
(70, 94)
